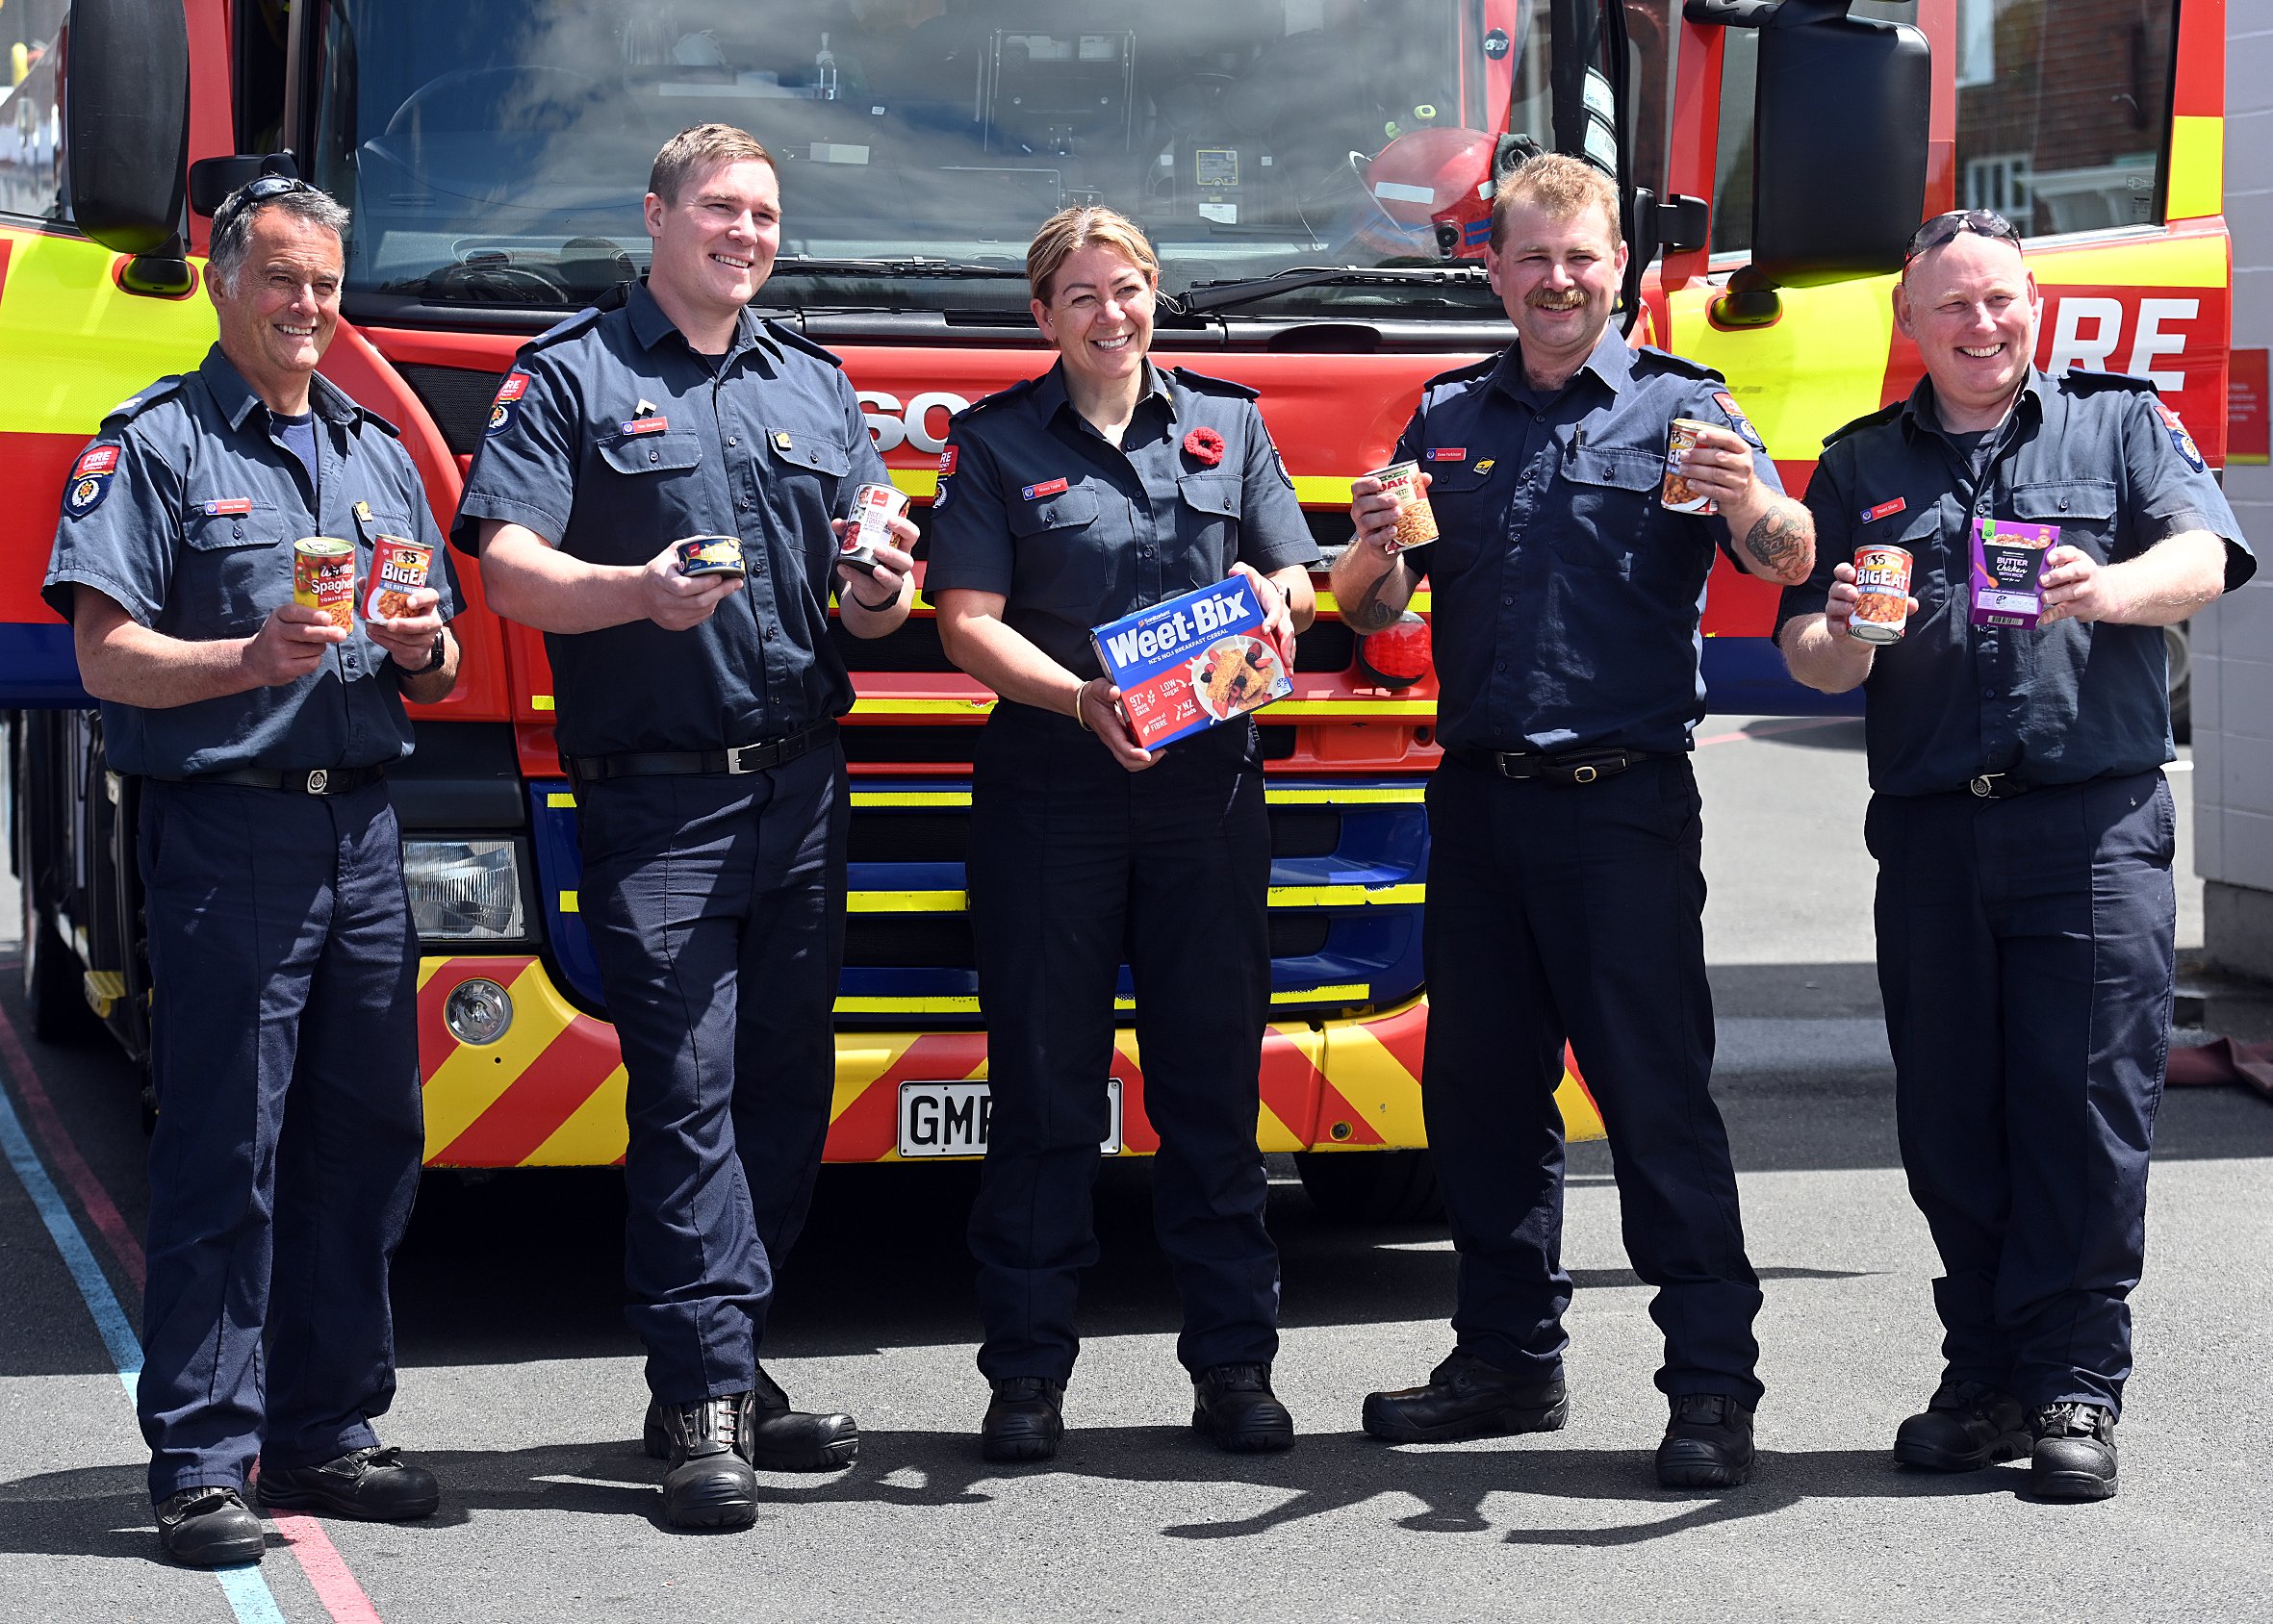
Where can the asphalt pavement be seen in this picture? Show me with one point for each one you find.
(521, 1387)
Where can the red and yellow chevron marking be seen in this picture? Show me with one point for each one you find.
(549, 1092)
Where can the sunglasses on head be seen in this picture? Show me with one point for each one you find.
(1947, 228)
(261, 191)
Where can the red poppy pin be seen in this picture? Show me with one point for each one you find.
(1205, 446)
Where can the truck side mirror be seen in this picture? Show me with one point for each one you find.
(1839, 143)
(126, 112)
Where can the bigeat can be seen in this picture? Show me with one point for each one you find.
(870, 525)
(323, 577)
(1679, 495)
(1883, 576)
(1417, 521)
(711, 555)
(398, 567)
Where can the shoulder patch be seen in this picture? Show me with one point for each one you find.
(1651, 358)
(2076, 381)
(1206, 385)
(1883, 415)
(2180, 440)
(506, 406)
(91, 477)
(134, 405)
(1001, 396)
(568, 328)
(795, 339)
(1737, 419)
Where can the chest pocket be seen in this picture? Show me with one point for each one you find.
(802, 460)
(234, 570)
(1471, 509)
(2085, 510)
(1209, 522)
(651, 453)
(1613, 502)
(1064, 562)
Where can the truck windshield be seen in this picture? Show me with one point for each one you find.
(496, 151)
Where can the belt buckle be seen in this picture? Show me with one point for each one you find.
(317, 781)
(738, 759)
(1985, 785)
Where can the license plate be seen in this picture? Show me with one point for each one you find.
(949, 1119)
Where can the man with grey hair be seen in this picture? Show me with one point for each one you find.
(283, 962)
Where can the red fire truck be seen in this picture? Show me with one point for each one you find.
(1315, 174)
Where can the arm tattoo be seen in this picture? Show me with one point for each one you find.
(1774, 541)
(1368, 614)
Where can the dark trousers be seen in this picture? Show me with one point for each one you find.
(717, 906)
(1574, 913)
(1073, 863)
(284, 1048)
(2026, 954)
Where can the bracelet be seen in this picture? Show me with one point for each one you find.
(1079, 695)
(891, 602)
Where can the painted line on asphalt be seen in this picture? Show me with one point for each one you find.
(247, 1592)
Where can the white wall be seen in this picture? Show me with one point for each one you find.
(2233, 638)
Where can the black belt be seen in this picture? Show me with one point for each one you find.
(1570, 767)
(299, 780)
(741, 758)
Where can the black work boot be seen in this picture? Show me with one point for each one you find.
(374, 1485)
(1964, 1426)
(1025, 1420)
(1233, 1404)
(708, 1484)
(209, 1526)
(775, 1438)
(1467, 1398)
(1708, 1443)
(2074, 1452)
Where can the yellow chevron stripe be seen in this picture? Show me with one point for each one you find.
(908, 1005)
(1352, 992)
(1580, 1119)
(861, 1058)
(594, 1134)
(2197, 168)
(474, 1076)
(1366, 1074)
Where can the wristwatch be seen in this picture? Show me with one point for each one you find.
(434, 659)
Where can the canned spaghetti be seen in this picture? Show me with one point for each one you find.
(1417, 521)
(1883, 576)
(1679, 495)
(323, 577)
(398, 567)
(870, 526)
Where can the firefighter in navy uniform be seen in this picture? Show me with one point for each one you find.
(283, 962)
(1565, 896)
(1101, 488)
(2025, 912)
(697, 719)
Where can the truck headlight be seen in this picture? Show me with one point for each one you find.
(464, 890)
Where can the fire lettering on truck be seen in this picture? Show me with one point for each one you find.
(895, 425)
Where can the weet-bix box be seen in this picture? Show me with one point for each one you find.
(1191, 662)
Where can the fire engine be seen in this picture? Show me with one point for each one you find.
(1316, 175)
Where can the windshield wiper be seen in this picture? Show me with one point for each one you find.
(1221, 295)
(801, 265)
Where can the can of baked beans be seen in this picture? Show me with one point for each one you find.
(323, 577)
(870, 524)
(398, 567)
(1417, 521)
(711, 555)
(1678, 494)
(1883, 576)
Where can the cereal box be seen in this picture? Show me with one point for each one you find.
(1193, 661)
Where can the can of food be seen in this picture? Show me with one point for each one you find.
(711, 555)
(398, 567)
(870, 525)
(1417, 521)
(1678, 494)
(1883, 575)
(323, 577)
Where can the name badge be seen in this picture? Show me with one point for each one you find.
(2008, 563)
(647, 425)
(1047, 488)
(228, 505)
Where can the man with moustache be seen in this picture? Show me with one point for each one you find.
(698, 720)
(1565, 892)
(2025, 913)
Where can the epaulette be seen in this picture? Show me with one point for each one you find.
(1666, 361)
(1463, 375)
(796, 340)
(365, 414)
(134, 405)
(1013, 392)
(1203, 383)
(1883, 415)
(567, 328)
(2077, 381)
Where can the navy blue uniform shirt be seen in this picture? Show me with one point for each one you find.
(1073, 531)
(183, 510)
(2092, 452)
(1567, 597)
(610, 438)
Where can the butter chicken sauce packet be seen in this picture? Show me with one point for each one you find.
(2007, 561)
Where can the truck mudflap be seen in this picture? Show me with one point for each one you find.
(547, 1089)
